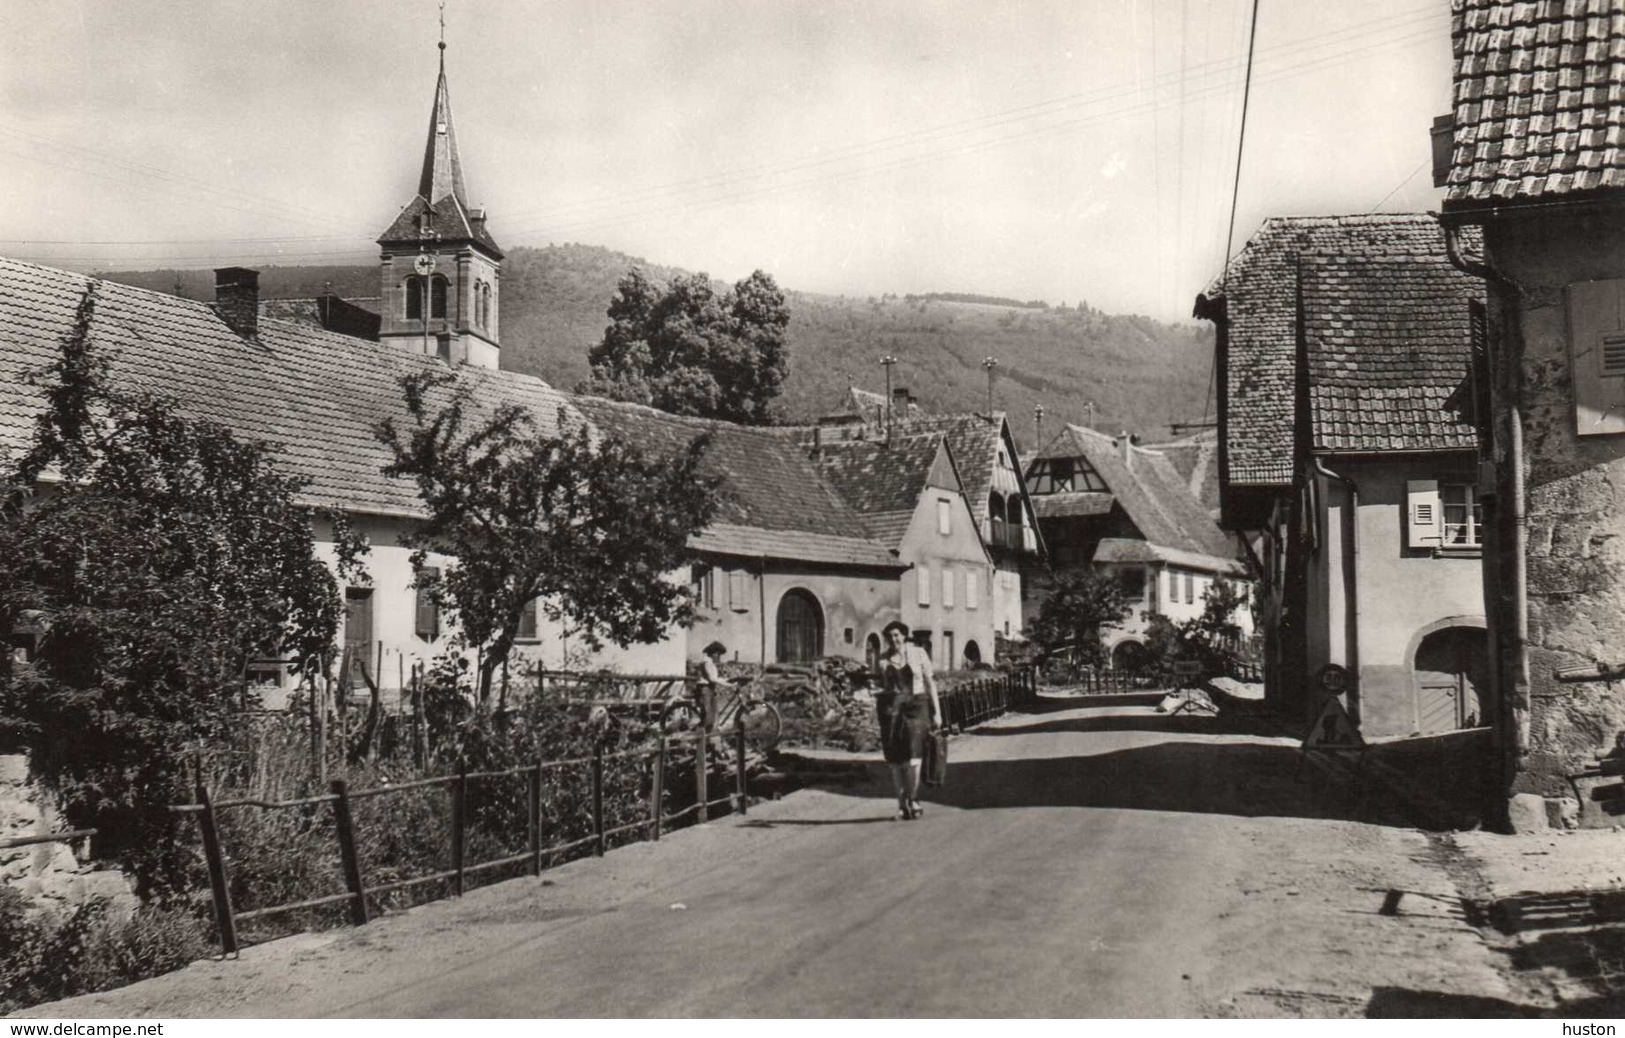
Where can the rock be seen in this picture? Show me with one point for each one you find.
(1527, 813)
(1563, 813)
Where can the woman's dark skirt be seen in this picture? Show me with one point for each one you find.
(905, 723)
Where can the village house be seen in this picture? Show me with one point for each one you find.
(985, 454)
(1534, 180)
(1107, 504)
(1347, 461)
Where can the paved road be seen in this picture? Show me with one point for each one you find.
(1081, 863)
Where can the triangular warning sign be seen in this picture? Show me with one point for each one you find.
(1333, 729)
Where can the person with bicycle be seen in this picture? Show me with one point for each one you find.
(908, 710)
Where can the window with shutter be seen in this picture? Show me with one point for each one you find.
(1422, 508)
(1597, 355)
(922, 584)
(428, 613)
(948, 576)
(527, 622)
(973, 590)
(944, 517)
(738, 591)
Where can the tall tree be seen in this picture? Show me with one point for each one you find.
(160, 554)
(685, 349)
(1078, 605)
(584, 525)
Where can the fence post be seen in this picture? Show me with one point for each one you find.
(535, 805)
(598, 797)
(739, 746)
(217, 872)
(459, 809)
(657, 795)
(347, 854)
(701, 766)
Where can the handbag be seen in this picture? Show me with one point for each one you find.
(934, 769)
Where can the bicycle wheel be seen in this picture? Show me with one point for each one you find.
(681, 717)
(762, 725)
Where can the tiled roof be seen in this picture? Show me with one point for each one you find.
(774, 499)
(882, 482)
(1196, 458)
(1260, 301)
(314, 394)
(1387, 342)
(973, 439)
(451, 221)
(1148, 488)
(1539, 99)
(1125, 549)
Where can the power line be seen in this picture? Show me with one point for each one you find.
(1408, 178)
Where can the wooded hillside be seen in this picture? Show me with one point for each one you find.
(1141, 374)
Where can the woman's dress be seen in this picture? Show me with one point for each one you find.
(905, 715)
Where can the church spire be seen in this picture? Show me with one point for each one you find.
(442, 167)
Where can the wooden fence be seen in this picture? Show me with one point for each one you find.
(357, 889)
(969, 704)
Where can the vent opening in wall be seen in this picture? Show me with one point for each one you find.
(1613, 354)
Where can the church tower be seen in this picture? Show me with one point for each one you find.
(440, 266)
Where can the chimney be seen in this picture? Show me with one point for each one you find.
(237, 299)
(1443, 134)
(1125, 447)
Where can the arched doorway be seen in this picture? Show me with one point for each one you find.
(800, 627)
(1128, 656)
(973, 653)
(1452, 679)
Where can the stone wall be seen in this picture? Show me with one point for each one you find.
(48, 874)
(1575, 502)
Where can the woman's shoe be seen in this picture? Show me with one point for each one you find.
(917, 808)
(905, 812)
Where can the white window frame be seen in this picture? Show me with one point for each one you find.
(945, 513)
(949, 575)
(973, 589)
(922, 584)
(1472, 526)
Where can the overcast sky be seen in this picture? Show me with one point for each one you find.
(1066, 150)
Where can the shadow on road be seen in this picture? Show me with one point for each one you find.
(1244, 779)
(1179, 724)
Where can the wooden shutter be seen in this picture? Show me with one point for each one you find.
(1424, 520)
(973, 590)
(428, 614)
(1597, 355)
(738, 591)
(948, 577)
(922, 583)
(944, 517)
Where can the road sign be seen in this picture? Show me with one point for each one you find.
(1333, 729)
(1187, 668)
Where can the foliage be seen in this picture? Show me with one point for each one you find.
(1078, 605)
(685, 349)
(163, 554)
(90, 949)
(585, 526)
(1212, 639)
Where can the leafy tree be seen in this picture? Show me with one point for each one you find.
(586, 526)
(685, 349)
(162, 555)
(1079, 604)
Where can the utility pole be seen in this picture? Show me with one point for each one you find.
(1038, 427)
(886, 362)
(988, 364)
(1090, 408)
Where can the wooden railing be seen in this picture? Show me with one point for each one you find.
(358, 891)
(973, 702)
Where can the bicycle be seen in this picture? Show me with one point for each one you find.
(737, 707)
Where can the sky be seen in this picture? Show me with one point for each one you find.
(1063, 150)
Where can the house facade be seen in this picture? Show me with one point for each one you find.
(1106, 504)
(1535, 203)
(1348, 464)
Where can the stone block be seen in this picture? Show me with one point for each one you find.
(13, 769)
(1527, 813)
(1562, 812)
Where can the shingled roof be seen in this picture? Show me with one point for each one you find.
(1259, 301)
(775, 501)
(1387, 342)
(1149, 490)
(973, 439)
(1539, 99)
(314, 395)
(882, 482)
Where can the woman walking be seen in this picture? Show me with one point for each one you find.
(908, 710)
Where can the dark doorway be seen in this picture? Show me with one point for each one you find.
(1452, 677)
(800, 627)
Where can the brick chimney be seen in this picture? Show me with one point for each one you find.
(237, 299)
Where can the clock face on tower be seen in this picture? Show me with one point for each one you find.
(424, 264)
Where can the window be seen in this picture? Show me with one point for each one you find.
(849, 636)
(704, 587)
(948, 578)
(973, 590)
(1132, 580)
(738, 591)
(948, 658)
(945, 514)
(527, 623)
(428, 612)
(437, 296)
(1463, 515)
(1190, 588)
(1063, 475)
(922, 584)
(414, 299)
